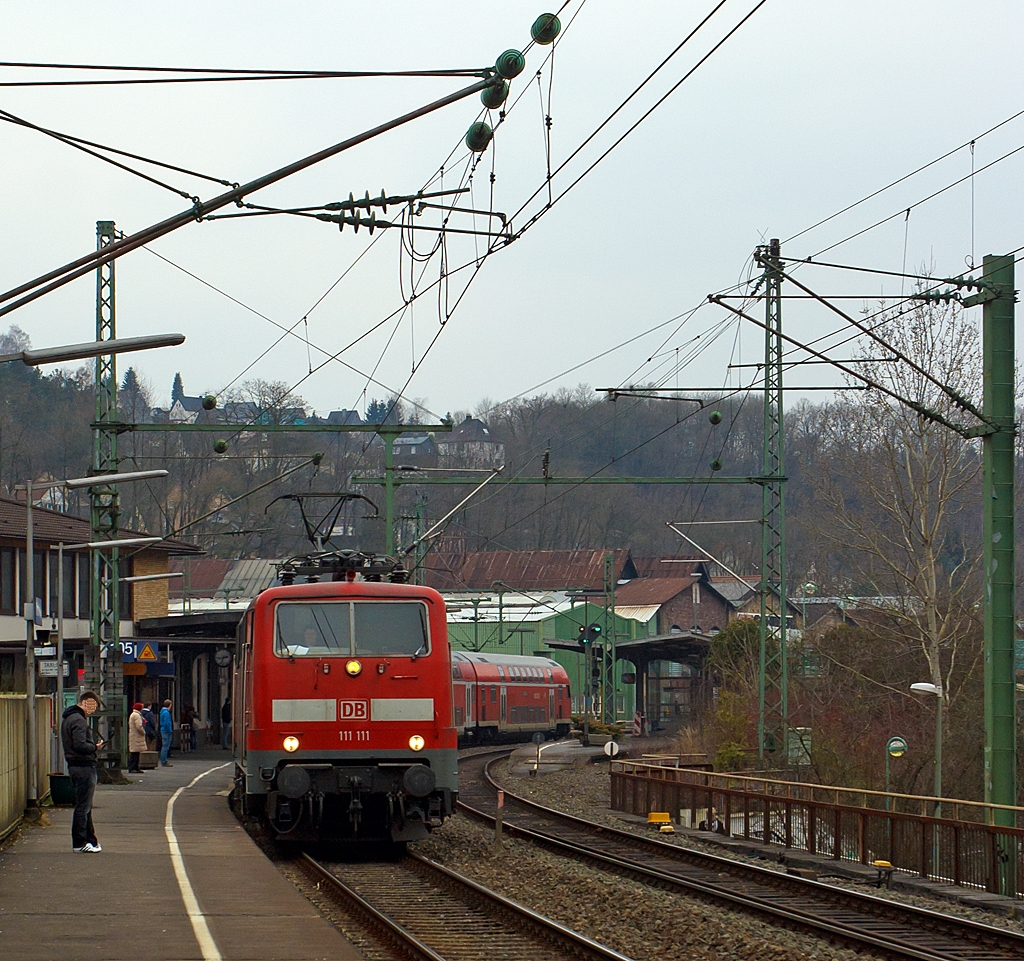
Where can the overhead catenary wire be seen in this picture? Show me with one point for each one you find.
(73, 141)
(629, 130)
(80, 145)
(903, 210)
(913, 173)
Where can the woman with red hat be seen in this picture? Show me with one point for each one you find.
(136, 738)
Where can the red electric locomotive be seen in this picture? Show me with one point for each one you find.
(509, 697)
(343, 703)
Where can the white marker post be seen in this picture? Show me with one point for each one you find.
(497, 822)
(538, 739)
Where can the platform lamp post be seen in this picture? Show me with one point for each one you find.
(29, 608)
(926, 687)
(37, 358)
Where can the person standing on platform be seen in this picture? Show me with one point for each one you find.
(166, 732)
(80, 753)
(149, 720)
(225, 722)
(136, 738)
(188, 729)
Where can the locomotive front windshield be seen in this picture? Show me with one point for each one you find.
(350, 628)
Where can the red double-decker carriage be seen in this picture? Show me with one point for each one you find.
(509, 697)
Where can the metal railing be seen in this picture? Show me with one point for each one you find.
(13, 755)
(964, 846)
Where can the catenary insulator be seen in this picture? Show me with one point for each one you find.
(478, 136)
(510, 64)
(545, 28)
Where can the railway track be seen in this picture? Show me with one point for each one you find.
(862, 921)
(425, 911)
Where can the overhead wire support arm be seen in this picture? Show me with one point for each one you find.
(257, 73)
(918, 408)
(960, 281)
(955, 396)
(476, 490)
(52, 280)
(647, 393)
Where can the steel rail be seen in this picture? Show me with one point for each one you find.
(572, 944)
(968, 934)
(377, 919)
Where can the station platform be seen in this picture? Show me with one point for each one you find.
(178, 879)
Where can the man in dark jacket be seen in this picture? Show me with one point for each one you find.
(80, 754)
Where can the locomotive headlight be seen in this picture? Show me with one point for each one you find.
(416, 742)
(353, 668)
(291, 743)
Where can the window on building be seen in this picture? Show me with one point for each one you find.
(53, 574)
(7, 597)
(84, 598)
(38, 576)
(124, 593)
(69, 585)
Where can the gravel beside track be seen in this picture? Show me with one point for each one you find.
(584, 792)
(450, 917)
(623, 914)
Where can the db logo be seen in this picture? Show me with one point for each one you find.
(354, 710)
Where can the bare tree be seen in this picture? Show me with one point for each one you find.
(896, 488)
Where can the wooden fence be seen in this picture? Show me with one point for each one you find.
(962, 846)
(13, 755)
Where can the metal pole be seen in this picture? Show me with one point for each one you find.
(938, 753)
(998, 594)
(389, 492)
(104, 506)
(60, 651)
(773, 708)
(587, 692)
(29, 612)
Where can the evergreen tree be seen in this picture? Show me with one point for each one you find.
(130, 383)
(177, 389)
(376, 412)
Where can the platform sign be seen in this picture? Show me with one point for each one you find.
(144, 651)
(49, 668)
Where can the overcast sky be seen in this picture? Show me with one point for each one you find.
(809, 107)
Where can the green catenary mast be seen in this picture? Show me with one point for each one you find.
(773, 707)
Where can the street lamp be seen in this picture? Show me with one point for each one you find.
(926, 687)
(29, 608)
(57, 355)
(34, 358)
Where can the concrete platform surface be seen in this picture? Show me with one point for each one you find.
(130, 901)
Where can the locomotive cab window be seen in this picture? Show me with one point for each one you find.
(347, 628)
